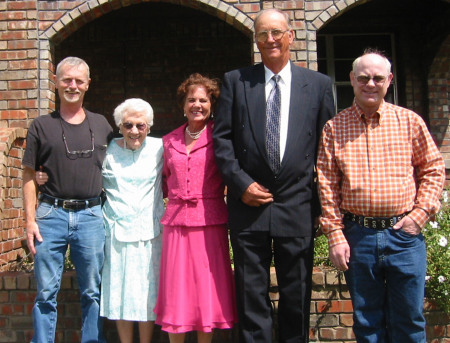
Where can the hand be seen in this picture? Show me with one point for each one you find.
(41, 177)
(340, 256)
(256, 195)
(408, 225)
(33, 233)
(317, 227)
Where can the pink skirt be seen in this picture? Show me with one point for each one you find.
(196, 287)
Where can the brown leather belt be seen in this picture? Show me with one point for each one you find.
(377, 223)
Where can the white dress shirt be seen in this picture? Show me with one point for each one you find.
(285, 91)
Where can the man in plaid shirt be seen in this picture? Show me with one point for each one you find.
(380, 179)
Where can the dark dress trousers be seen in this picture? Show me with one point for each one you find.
(286, 225)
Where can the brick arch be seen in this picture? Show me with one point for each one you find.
(320, 13)
(83, 14)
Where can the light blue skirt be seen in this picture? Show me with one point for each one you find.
(130, 279)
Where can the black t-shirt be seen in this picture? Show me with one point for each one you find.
(71, 175)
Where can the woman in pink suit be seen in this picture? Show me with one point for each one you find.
(196, 291)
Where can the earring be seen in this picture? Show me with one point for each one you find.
(212, 115)
(185, 114)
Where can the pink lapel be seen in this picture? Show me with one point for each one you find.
(178, 142)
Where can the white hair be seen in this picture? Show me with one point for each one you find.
(133, 105)
(74, 62)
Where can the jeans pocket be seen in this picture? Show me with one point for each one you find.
(43, 210)
(403, 233)
(95, 211)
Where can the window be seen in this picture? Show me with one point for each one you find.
(336, 53)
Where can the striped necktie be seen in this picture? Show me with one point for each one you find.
(273, 125)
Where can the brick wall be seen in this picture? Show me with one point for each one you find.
(439, 102)
(331, 312)
(11, 213)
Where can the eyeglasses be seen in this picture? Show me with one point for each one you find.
(364, 80)
(276, 34)
(79, 153)
(140, 126)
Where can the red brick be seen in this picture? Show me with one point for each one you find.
(22, 5)
(15, 15)
(29, 307)
(21, 25)
(12, 35)
(4, 296)
(344, 333)
(24, 84)
(346, 319)
(12, 55)
(5, 95)
(25, 297)
(21, 65)
(22, 44)
(6, 309)
(13, 114)
(327, 333)
(50, 16)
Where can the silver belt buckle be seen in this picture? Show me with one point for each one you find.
(366, 221)
(66, 203)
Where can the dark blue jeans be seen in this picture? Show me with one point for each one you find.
(84, 231)
(386, 280)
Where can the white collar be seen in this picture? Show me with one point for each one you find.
(285, 74)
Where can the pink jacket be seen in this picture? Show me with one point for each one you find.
(192, 182)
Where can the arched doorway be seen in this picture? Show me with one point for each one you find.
(147, 50)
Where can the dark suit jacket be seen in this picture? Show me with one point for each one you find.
(239, 142)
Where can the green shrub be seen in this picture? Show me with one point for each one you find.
(437, 237)
(321, 257)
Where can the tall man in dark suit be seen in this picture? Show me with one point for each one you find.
(266, 136)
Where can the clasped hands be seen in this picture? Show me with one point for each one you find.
(256, 195)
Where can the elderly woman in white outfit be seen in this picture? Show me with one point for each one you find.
(132, 213)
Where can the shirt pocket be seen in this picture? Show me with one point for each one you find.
(397, 157)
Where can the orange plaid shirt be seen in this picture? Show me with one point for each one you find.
(378, 166)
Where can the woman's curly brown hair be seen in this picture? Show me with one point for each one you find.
(196, 79)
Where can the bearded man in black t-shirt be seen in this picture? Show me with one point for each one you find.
(69, 145)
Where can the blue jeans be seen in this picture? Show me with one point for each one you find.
(84, 231)
(386, 280)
